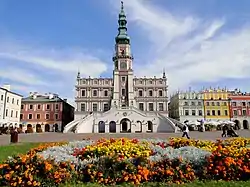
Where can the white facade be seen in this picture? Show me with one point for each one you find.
(123, 103)
(187, 106)
(10, 107)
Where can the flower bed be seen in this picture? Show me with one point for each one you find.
(117, 161)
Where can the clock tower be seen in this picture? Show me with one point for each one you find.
(123, 75)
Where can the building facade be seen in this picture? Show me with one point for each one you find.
(187, 105)
(216, 104)
(240, 108)
(10, 106)
(137, 104)
(47, 112)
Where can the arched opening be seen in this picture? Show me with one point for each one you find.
(112, 127)
(47, 128)
(140, 125)
(29, 129)
(237, 124)
(150, 126)
(101, 127)
(125, 125)
(38, 128)
(245, 124)
(56, 127)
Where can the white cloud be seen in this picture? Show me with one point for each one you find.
(189, 48)
(62, 60)
(20, 76)
(34, 68)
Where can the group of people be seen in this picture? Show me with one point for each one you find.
(227, 131)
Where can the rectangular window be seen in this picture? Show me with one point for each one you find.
(83, 107)
(160, 93)
(31, 107)
(218, 112)
(243, 103)
(161, 107)
(106, 93)
(199, 103)
(186, 103)
(140, 93)
(225, 103)
(47, 116)
(193, 103)
(1, 97)
(38, 107)
(8, 99)
(94, 107)
(57, 106)
(123, 92)
(186, 112)
(16, 114)
(233, 103)
(208, 112)
(244, 112)
(213, 112)
(151, 106)
(56, 116)
(47, 107)
(95, 93)
(193, 112)
(21, 116)
(11, 113)
(22, 107)
(200, 113)
(83, 93)
(235, 112)
(106, 107)
(6, 112)
(150, 93)
(141, 106)
(226, 112)
(123, 79)
(38, 116)
(212, 105)
(17, 102)
(13, 100)
(207, 103)
(30, 116)
(218, 103)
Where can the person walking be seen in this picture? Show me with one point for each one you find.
(224, 130)
(185, 130)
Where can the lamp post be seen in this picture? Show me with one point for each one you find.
(229, 108)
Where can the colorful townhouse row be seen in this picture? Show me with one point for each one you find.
(211, 104)
(36, 113)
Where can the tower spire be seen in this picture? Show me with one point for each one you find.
(78, 74)
(163, 74)
(122, 36)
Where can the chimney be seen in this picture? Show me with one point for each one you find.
(6, 86)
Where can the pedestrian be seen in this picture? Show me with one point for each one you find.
(224, 131)
(185, 131)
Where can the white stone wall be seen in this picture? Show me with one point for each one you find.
(12, 102)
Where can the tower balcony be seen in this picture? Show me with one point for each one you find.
(116, 57)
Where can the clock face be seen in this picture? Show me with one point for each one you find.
(123, 65)
(122, 50)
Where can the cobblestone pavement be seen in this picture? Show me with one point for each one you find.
(55, 137)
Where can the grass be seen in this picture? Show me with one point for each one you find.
(15, 149)
(194, 184)
(23, 148)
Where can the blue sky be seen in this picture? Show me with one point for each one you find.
(199, 43)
